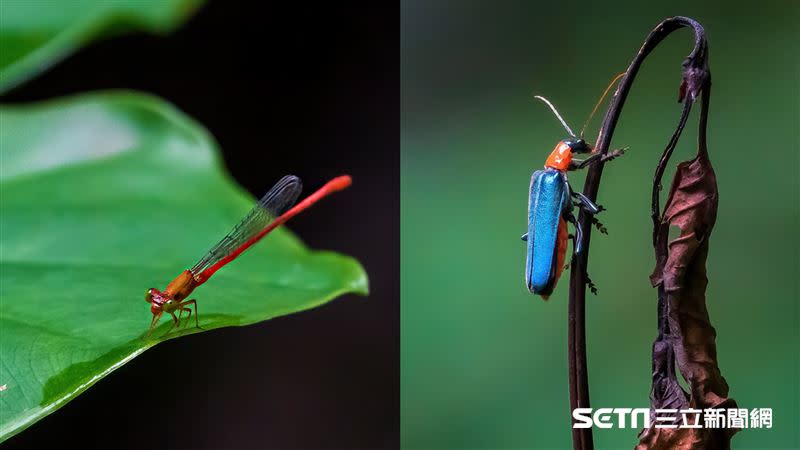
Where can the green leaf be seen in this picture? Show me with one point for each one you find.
(103, 196)
(35, 34)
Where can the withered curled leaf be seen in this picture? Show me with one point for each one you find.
(686, 336)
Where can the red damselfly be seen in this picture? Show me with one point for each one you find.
(271, 211)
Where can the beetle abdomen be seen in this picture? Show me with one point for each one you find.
(545, 207)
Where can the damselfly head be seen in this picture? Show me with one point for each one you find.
(156, 299)
(578, 145)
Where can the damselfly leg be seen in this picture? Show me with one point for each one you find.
(183, 307)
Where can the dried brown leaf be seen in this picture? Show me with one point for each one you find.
(688, 337)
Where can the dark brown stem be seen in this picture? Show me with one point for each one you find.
(694, 79)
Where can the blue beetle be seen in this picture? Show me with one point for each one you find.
(550, 206)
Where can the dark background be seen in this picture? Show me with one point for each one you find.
(284, 89)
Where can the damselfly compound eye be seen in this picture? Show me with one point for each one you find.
(148, 296)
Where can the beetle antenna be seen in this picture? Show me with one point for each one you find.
(555, 111)
(597, 105)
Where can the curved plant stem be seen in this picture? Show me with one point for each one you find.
(695, 77)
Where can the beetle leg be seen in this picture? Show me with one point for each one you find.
(590, 207)
(577, 245)
(581, 163)
(597, 157)
(577, 240)
(614, 154)
(591, 285)
(578, 237)
(583, 201)
(599, 225)
(586, 204)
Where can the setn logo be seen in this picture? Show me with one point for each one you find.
(604, 417)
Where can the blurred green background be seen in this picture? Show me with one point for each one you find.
(483, 361)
